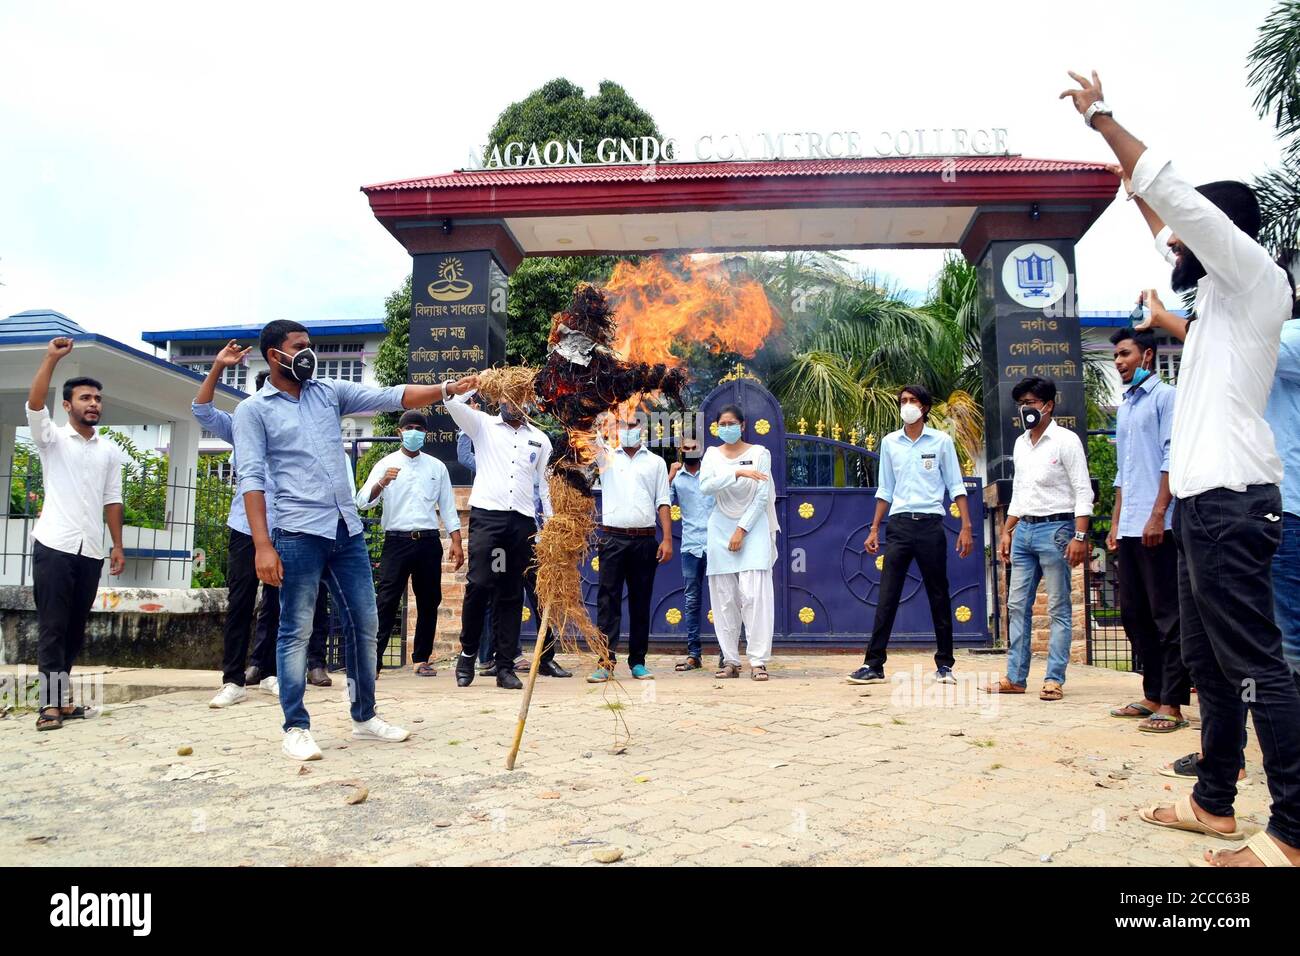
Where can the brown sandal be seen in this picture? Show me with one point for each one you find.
(728, 671)
(1051, 691)
(758, 672)
(1003, 686)
(690, 664)
(49, 718)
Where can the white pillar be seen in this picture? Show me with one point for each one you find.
(182, 489)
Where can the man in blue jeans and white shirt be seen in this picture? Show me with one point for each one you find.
(1045, 535)
(292, 431)
(1283, 415)
(695, 508)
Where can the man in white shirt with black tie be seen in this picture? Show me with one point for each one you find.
(82, 474)
(1225, 471)
(634, 494)
(512, 456)
(415, 489)
(1045, 535)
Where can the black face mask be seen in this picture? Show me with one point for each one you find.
(301, 367)
(1030, 417)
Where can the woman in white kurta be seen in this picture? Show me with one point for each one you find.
(741, 544)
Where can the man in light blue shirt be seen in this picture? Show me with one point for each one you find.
(291, 431)
(918, 467)
(695, 507)
(1140, 532)
(1283, 416)
(414, 488)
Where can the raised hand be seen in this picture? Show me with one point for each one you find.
(232, 354)
(59, 347)
(1089, 92)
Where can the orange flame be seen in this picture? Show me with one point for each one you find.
(658, 303)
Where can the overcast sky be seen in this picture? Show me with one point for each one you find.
(169, 165)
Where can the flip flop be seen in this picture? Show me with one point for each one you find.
(690, 664)
(1186, 820)
(1163, 724)
(49, 718)
(426, 670)
(1141, 710)
(1262, 846)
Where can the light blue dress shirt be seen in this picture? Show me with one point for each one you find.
(1144, 425)
(221, 424)
(914, 475)
(695, 507)
(414, 498)
(298, 444)
(1283, 414)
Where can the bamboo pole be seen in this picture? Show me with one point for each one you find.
(528, 689)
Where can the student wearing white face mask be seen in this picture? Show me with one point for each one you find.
(918, 466)
(741, 545)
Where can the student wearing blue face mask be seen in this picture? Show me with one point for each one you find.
(1140, 534)
(741, 545)
(414, 488)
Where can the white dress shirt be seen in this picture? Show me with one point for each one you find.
(632, 487)
(1050, 477)
(1220, 438)
(414, 498)
(509, 462)
(81, 476)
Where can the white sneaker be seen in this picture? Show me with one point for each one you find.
(229, 694)
(270, 685)
(377, 729)
(299, 745)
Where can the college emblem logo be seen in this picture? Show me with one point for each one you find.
(1035, 275)
(450, 287)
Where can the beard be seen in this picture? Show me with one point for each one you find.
(1187, 272)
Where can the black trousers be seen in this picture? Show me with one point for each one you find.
(64, 587)
(1148, 607)
(241, 580)
(418, 561)
(1233, 648)
(630, 561)
(268, 626)
(922, 539)
(500, 548)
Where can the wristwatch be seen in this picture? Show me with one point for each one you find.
(1081, 536)
(1096, 108)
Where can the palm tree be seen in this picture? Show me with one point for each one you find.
(1274, 63)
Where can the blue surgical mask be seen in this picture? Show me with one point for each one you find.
(629, 437)
(413, 439)
(1140, 375)
(729, 433)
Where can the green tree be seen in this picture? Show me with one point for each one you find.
(1274, 64)
(559, 110)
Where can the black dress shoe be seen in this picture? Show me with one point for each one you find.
(464, 670)
(552, 669)
(253, 676)
(508, 680)
(319, 677)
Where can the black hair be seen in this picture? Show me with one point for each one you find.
(274, 334)
(1237, 201)
(1144, 340)
(262, 376)
(412, 417)
(922, 395)
(74, 383)
(1043, 389)
(735, 410)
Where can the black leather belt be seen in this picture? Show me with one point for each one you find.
(916, 516)
(412, 535)
(1039, 519)
(629, 532)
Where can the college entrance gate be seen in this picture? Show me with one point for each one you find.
(1016, 218)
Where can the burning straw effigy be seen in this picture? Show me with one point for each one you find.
(582, 379)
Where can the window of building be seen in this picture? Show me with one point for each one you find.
(338, 347)
(1167, 365)
(236, 376)
(347, 369)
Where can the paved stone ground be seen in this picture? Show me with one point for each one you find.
(802, 770)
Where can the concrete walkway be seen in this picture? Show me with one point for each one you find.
(805, 769)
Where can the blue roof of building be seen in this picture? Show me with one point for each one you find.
(251, 330)
(41, 325)
(1113, 319)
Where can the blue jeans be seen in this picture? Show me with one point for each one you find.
(343, 564)
(1037, 553)
(693, 570)
(1286, 590)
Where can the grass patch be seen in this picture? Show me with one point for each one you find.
(613, 705)
(996, 766)
(986, 742)
(898, 720)
(454, 743)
